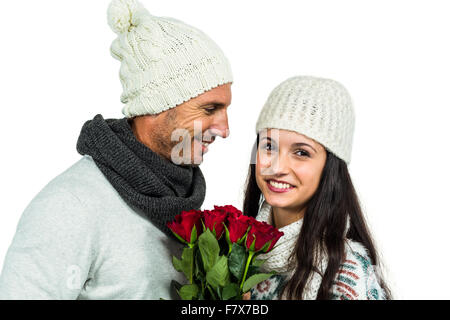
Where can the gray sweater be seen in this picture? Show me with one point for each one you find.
(78, 239)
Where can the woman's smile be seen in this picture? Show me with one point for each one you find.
(279, 186)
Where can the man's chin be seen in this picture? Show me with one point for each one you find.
(197, 161)
(194, 162)
(197, 157)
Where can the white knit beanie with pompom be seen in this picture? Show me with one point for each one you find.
(318, 108)
(164, 62)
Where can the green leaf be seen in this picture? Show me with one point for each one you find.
(237, 260)
(219, 293)
(227, 234)
(244, 237)
(177, 264)
(188, 291)
(175, 284)
(199, 271)
(194, 234)
(219, 274)
(211, 292)
(209, 249)
(178, 237)
(184, 265)
(254, 280)
(258, 262)
(188, 262)
(252, 270)
(252, 246)
(231, 290)
(266, 246)
(175, 288)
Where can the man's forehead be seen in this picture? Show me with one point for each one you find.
(218, 96)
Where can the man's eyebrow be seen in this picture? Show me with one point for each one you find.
(301, 144)
(213, 103)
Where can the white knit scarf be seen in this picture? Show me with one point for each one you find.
(278, 258)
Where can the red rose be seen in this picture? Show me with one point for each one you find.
(237, 227)
(214, 221)
(187, 226)
(229, 210)
(262, 236)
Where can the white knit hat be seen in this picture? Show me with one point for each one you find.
(165, 62)
(318, 108)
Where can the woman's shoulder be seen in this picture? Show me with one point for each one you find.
(357, 253)
(357, 278)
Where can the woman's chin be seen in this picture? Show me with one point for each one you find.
(276, 202)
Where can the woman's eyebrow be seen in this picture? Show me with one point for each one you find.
(301, 144)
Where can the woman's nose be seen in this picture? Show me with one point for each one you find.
(277, 166)
(280, 165)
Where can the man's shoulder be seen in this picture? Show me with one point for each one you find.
(77, 188)
(83, 172)
(82, 181)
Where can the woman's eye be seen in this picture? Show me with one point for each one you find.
(267, 146)
(302, 153)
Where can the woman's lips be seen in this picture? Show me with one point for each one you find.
(278, 187)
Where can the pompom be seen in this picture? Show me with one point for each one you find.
(122, 14)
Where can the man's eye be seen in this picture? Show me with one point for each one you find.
(267, 146)
(210, 110)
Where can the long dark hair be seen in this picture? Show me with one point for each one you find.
(323, 227)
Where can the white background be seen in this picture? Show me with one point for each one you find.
(393, 57)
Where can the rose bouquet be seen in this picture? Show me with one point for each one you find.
(219, 260)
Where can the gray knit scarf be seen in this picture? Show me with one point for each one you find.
(143, 179)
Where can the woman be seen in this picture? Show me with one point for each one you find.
(300, 184)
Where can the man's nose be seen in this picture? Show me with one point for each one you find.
(221, 123)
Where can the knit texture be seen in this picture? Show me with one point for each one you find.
(78, 239)
(318, 108)
(164, 62)
(356, 278)
(142, 178)
(277, 258)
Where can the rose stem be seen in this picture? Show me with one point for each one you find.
(249, 259)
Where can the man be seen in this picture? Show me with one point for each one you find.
(98, 230)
